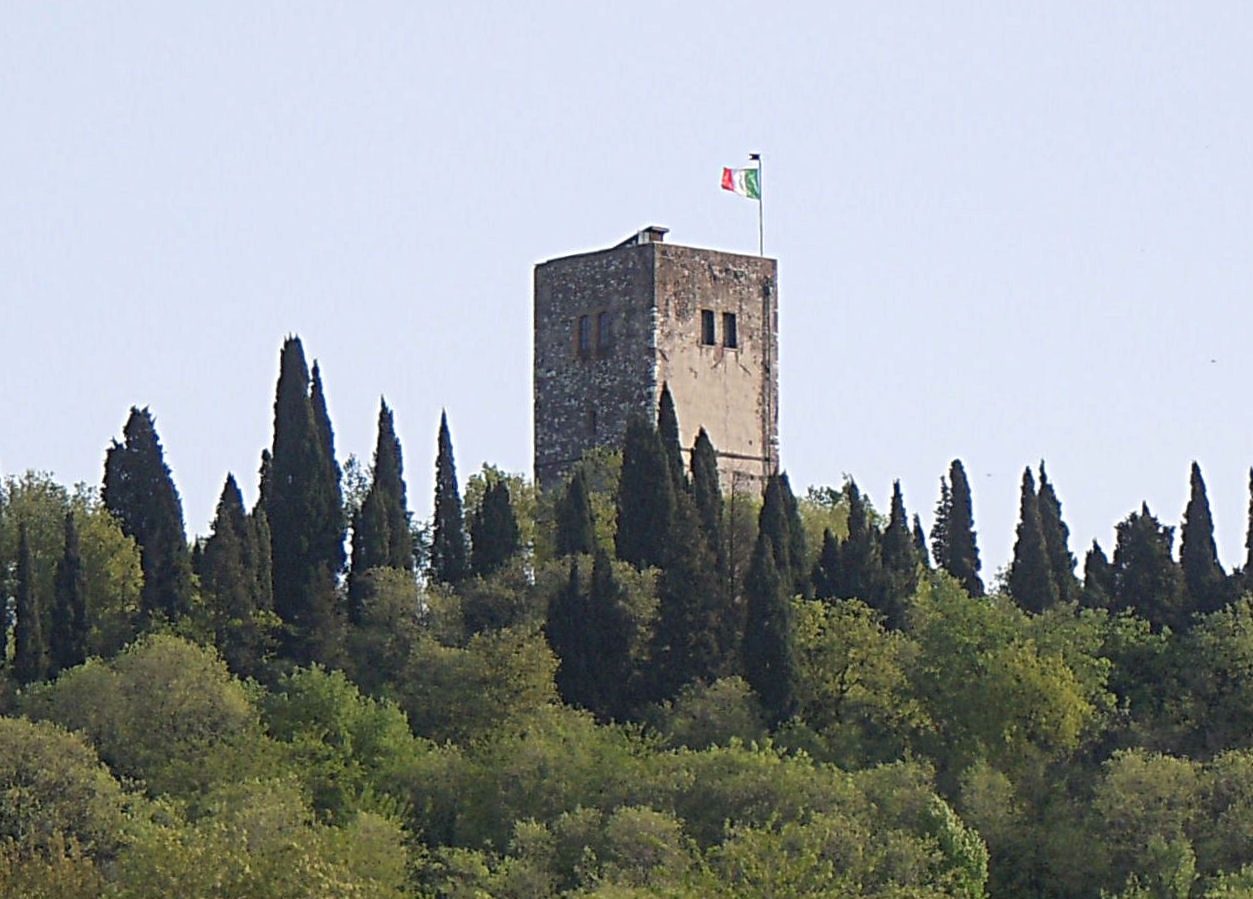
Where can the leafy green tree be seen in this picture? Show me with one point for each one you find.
(381, 534)
(494, 533)
(1030, 573)
(449, 553)
(646, 497)
(575, 525)
(1057, 539)
(769, 652)
(303, 506)
(1203, 576)
(30, 652)
(140, 492)
(67, 644)
(668, 432)
(1147, 580)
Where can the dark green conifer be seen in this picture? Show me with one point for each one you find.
(646, 497)
(449, 553)
(575, 524)
(920, 542)
(381, 537)
(567, 627)
(1030, 574)
(940, 525)
(494, 534)
(828, 577)
(1147, 580)
(140, 492)
(1204, 577)
(1248, 534)
(67, 643)
(300, 493)
(707, 492)
(1098, 579)
(1057, 540)
(963, 549)
(768, 651)
(30, 652)
(780, 521)
(899, 551)
(695, 631)
(232, 584)
(668, 431)
(861, 560)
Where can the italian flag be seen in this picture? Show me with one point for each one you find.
(744, 182)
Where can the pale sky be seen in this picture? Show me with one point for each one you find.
(1005, 232)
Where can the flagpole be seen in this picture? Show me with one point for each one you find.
(761, 219)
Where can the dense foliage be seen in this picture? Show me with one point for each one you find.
(630, 684)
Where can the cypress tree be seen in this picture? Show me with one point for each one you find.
(1204, 577)
(768, 651)
(231, 584)
(861, 561)
(494, 535)
(920, 541)
(780, 521)
(575, 524)
(1248, 534)
(67, 644)
(963, 549)
(646, 497)
(1057, 540)
(828, 576)
(140, 492)
(1098, 579)
(940, 526)
(900, 560)
(30, 653)
(569, 635)
(300, 492)
(1147, 579)
(449, 562)
(668, 432)
(707, 492)
(695, 632)
(1030, 575)
(380, 536)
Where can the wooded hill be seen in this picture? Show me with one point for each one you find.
(629, 684)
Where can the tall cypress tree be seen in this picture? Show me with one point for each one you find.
(695, 633)
(30, 652)
(567, 627)
(768, 651)
(920, 541)
(330, 494)
(780, 521)
(1146, 577)
(646, 497)
(900, 560)
(1204, 577)
(827, 577)
(231, 584)
(1057, 540)
(67, 644)
(575, 524)
(140, 492)
(300, 492)
(1031, 581)
(668, 431)
(494, 534)
(963, 550)
(449, 553)
(707, 492)
(940, 525)
(861, 560)
(380, 536)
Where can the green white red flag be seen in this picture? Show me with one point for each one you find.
(745, 182)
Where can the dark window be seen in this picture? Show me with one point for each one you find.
(730, 337)
(707, 337)
(604, 330)
(591, 422)
(585, 333)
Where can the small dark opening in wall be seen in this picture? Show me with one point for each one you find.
(604, 330)
(707, 336)
(585, 333)
(730, 336)
(591, 422)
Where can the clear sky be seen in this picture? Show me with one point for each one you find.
(1005, 232)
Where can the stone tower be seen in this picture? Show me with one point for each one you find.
(612, 326)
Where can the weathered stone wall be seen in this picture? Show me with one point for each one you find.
(654, 294)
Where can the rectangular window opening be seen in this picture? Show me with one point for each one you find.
(730, 337)
(585, 333)
(604, 330)
(707, 336)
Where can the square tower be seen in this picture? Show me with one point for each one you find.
(612, 326)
